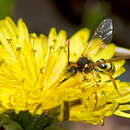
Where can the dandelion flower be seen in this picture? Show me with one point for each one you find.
(31, 68)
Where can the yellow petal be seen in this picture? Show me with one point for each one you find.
(22, 32)
(105, 53)
(122, 114)
(78, 43)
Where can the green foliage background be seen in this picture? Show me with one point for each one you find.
(6, 8)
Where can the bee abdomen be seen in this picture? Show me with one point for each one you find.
(105, 67)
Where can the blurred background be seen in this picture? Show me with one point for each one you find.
(71, 15)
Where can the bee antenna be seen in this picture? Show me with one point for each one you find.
(115, 59)
(114, 83)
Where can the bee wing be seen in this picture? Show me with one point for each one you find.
(104, 31)
(102, 34)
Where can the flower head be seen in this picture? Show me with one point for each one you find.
(33, 67)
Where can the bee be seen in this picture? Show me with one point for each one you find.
(85, 65)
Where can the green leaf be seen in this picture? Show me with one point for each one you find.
(8, 124)
(13, 126)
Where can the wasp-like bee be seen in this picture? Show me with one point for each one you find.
(85, 65)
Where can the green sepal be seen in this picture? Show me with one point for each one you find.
(9, 124)
(40, 122)
(23, 118)
(33, 122)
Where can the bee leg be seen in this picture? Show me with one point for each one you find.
(96, 85)
(64, 80)
(114, 83)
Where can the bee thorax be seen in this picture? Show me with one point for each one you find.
(82, 62)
